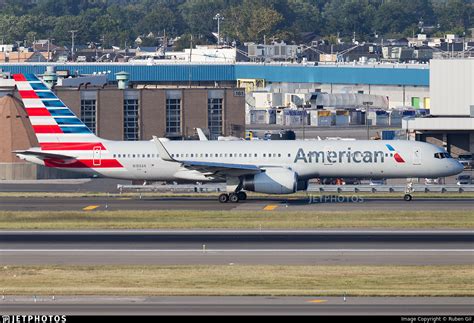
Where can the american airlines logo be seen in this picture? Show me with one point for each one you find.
(341, 156)
(346, 156)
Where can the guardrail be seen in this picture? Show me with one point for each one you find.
(216, 188)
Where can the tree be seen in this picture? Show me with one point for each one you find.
(198, 15)
(250, 21)
(348, 16)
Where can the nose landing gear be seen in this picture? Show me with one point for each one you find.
(234, 197)
(408, 191)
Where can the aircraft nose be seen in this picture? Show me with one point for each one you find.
(457, 167)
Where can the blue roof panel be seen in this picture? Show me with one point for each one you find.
(374, 75)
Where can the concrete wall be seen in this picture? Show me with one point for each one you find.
(110, 114)
(153, 113)
(28, 171)
(451, 85)
(194, 110)
(234, 114)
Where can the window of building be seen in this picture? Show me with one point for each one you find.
(214, 117)
(173, 116)
(131, 129)
(88, 113)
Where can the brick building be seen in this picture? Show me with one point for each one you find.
(173, 112)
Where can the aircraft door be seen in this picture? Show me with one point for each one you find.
(97, 155)
(416, 156)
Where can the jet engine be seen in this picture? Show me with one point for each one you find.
(272, 181)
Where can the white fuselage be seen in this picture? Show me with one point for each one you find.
(307, 158)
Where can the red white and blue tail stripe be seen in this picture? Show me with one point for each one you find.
(65, 141)
(51, 119)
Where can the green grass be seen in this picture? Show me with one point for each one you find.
(238, 280)
(171, 219)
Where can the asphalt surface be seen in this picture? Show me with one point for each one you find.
(115, 202)
(239, 305)
(237, 247)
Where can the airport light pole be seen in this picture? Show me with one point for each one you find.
(367, 104)
(73, 34)
(218, 17)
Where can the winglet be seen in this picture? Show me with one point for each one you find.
(162, 150)
(202, 136)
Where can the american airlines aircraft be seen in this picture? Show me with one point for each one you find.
(273, 167)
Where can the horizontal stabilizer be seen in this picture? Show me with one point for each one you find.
(42, 155)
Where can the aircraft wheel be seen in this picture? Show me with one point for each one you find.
(242, 195)
(408, 197)
(223, 198)
(234, 197)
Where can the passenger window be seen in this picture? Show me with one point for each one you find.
(255, 155)
(279, 155)
(245, 155)
(230, 155)
(289, 155)
(264, 155)
(133, 155)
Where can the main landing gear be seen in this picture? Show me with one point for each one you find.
(408, 191)
(233, 197)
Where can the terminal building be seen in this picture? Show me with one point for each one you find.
(451, 120)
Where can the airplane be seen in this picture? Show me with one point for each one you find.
(272, 167)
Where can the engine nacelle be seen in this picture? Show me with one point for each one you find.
(272, 181)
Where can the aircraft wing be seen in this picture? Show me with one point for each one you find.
(217, 169)
(43, 155)
(209, 168)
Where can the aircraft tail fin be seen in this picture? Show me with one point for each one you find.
(53, 122)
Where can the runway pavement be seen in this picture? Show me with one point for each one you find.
(189, 305)
(237, 247)
(115, 202)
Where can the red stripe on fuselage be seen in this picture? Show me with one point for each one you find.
(71, 146)
(28, 94)
(398, 158)
(47, 129)
(83, 163)
(38, 112)
(19, 77)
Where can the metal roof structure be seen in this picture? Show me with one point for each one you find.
(376, 74)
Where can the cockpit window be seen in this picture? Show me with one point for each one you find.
(442, 155)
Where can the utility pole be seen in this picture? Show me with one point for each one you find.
(73, 34)
(218, 17)
(49, 42)
(367, 104)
